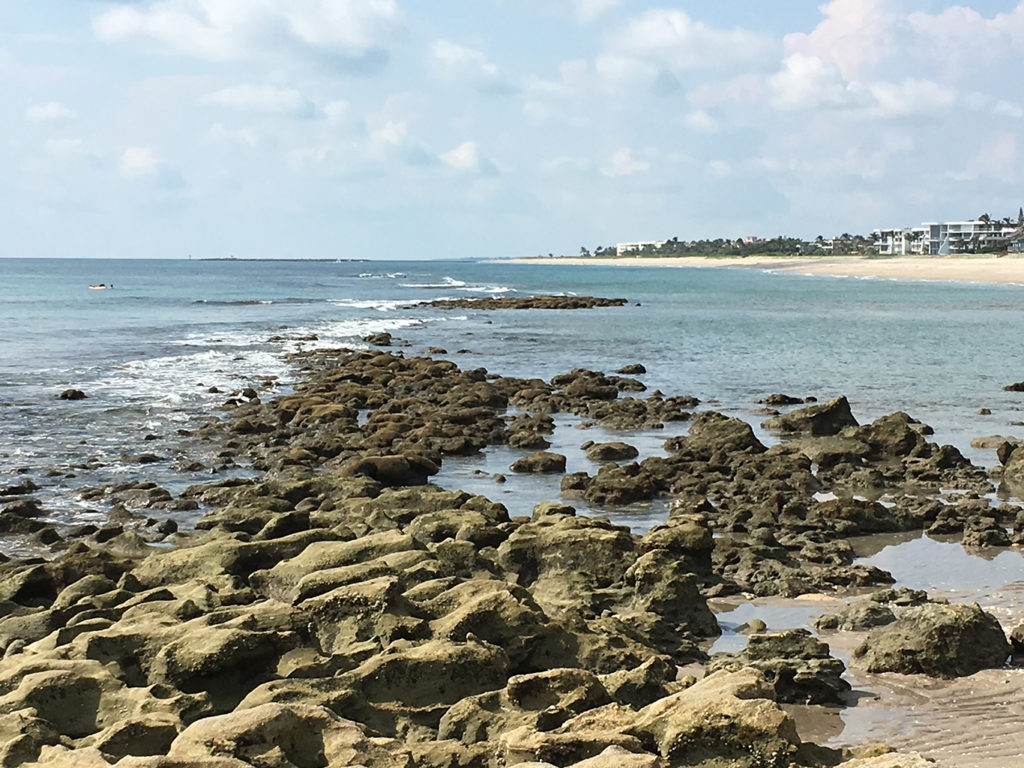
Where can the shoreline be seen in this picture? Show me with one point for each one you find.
(1007, 270)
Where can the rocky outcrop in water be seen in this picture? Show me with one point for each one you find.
(541, 462)
(796, 664)
(937, 640)
(379, 339)
(528, 302)
(856, 617)
(815, 420)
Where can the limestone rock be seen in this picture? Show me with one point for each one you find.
(299, 735)
(687, 537)
(603, 452)
(712, 432)
(435, 673)
(641, 685)
(859, 616)
(541, 701)
(615, 485)
(819, 419)
(563, 746)
(541, 462)
(795, 664)
(225, 662)
(565, 560)
(727, 716)
(938, 640)
(503, 615)
(393, 470)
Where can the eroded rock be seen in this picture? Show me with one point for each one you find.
(937, 640)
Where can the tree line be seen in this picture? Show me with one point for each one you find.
(781, 245)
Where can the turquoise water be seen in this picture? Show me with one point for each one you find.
(147, 351)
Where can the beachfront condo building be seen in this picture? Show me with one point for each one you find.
(901, 242)
(945, 238)
(638, 249)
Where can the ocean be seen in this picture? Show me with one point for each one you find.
(148, 351)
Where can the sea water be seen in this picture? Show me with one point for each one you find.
(148, 351)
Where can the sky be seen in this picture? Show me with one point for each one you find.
(408, 129)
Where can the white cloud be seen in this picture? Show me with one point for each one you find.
(139, 162)
(877, 39)
(468, 65)
(962, 30)
(591, 10)
(621, 72)
(996, 158)
(855, 35)
(351, 30)
(47, 112)
(912, 96)
(671, 39)
(807, 82)
(622, 163)
(465, 157)
(269, 99)
(582, 11)
(459, 61)
(702, 122)
(1008, 109)
(387, 132)
(390, 132)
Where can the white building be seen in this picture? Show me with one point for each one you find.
(944, 238)
(622, 249)
(900, 242)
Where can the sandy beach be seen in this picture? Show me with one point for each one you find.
(981, 269)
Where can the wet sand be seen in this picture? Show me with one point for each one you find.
(980, 269)
(970, 722)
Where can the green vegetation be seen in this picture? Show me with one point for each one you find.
(845, 244)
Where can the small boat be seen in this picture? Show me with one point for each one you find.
(99, 287)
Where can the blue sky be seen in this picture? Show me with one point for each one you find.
(458, 128)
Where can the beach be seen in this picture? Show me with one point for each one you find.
(981, 269)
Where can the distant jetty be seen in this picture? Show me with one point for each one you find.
(232, 258)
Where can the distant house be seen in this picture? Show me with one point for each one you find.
(1015, 241)
(623, 249)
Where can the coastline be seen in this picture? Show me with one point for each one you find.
(979, 269)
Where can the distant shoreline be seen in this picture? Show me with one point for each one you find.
(1007, 269)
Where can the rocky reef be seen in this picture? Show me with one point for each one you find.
(338, 609)
(528, 302)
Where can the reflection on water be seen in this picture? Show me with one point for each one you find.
(941, 564)
(778, 613)
(520, 493)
